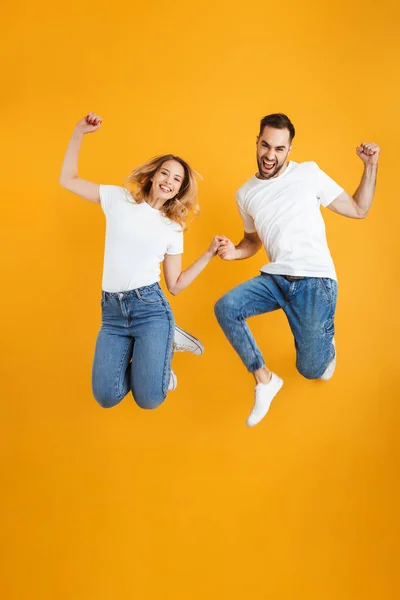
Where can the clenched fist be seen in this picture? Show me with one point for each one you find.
(369, 153)
(89, 124)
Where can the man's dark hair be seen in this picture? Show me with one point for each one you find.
(278, 121)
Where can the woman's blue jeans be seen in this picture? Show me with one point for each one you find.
(134, 347)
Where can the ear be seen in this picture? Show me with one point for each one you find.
(257, 138)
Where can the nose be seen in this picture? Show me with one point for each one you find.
(270, 154)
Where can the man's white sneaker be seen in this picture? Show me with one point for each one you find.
(185, 342)
(330, 369)
(173, 382)
(264, 393)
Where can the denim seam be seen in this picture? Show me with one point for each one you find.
(118, 378)
(144, 301)
(167, 360)
(327, 292)
(251, 340)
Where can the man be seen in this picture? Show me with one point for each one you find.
(280, 208)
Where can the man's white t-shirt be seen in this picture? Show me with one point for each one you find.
(137, 239)
(285, 212)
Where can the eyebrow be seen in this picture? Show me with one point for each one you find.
(276, 148)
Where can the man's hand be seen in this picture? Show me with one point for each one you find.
(227, 250)
(369, 153)
(218, 242)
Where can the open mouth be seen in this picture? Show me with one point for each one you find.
(268, 165)
(165, 189)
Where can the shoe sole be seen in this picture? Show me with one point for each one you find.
(174, 382)
(195, 341)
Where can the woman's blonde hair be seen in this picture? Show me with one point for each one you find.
(178, 208)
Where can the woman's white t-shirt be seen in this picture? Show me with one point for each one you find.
(285, 212)
(137, 239)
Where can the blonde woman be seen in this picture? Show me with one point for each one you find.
(145, 224)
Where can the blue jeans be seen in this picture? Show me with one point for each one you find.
(134, 347)
(309, 305)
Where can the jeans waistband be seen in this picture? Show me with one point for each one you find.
(129, 293)
(293, 277)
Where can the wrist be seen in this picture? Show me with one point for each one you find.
(370, 169)
(208, 254)
(77, 134)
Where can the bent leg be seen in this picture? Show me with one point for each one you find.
(151, 359)
(311, 317)
(111, 368)
(254, 297)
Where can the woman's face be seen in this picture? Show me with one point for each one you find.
(167, 180)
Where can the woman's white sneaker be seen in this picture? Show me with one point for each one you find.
(264, 393)
(186, 342)
(330, 369)
(173, 382)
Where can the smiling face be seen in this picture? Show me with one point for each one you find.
(273, 147)
(167, 180)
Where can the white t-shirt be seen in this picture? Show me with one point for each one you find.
(137, 238)
(285, 212)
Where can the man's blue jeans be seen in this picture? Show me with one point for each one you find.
(134, 347)
(309, 305)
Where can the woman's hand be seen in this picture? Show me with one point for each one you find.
(218, 242)
(88, 124)
(227, 250)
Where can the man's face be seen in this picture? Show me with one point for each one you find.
(273, 147)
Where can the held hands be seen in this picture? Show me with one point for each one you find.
(89, 124)
(218, 242)
(226, 249)
(223, 247)
(369, 153)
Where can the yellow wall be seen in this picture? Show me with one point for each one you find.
(186, 502)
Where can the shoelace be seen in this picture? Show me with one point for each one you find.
(180, 347)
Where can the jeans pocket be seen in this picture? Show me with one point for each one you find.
(149, 296)
(330, 288)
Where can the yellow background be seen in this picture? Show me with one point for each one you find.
(185, 502)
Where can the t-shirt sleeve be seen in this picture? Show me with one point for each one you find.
(248, 221)
(175, 244)
(109, 194)
(327, 189)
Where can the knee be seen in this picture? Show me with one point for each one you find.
(224, 307)
(105, 398)
(148, 401)
(309, 370)
(106, 401)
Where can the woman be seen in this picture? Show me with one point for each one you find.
(145, 226)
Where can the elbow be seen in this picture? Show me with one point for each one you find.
(362, 214)
(64, 182)
(174, 290)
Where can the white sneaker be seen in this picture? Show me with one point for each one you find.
(264, 393)
(185, 342)
(330, 369)
(173, 382)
